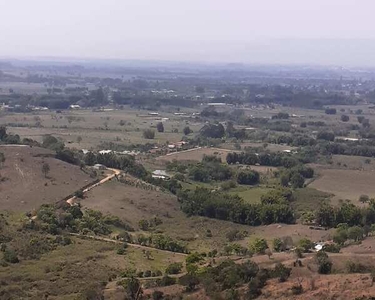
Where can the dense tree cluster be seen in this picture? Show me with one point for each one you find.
(218, 205)
(348, 213)
(264, 159)
(216, 131)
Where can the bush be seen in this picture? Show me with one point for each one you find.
(278, 245)
(248, 177)
(297, 289)
(187, 130)
(332, 248)
(259, 246)
(324, 264)
(193, 258)
(166, 281)
(174, 268)
(305, 244)
(10, 256)
(345, 118)
(149, 134)
(160, 127)
(330, 111)
(282, 272)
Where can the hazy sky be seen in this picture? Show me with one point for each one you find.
(252, 31)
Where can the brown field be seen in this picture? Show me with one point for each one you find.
(130, 203)
(25, 186)
(345, 184)
(133, 204)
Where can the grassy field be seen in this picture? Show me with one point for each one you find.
(96, 127)
(25, 187)
(345, 184)
(308, 199)
(74, 269)
(250, 195)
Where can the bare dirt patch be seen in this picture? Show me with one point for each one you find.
(25, 187)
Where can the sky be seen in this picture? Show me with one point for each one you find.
(247, 31)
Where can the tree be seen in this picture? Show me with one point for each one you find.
(345, 118)
(324, 264)
(144, 224)
(2, 159)
(259, 246)
(355, 233)
(305, 244)
(160, 127)
(360, 119)
(330, 111)
(297, 180)
(174, 268)
(45, 169)
(325, 215)
(278, 245)
(3, 133)
(133, 288)
(326, 135)
(149, 134)
(248, 177)
(187, 130)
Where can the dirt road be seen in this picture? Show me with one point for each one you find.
(100, 238)
(116, 172)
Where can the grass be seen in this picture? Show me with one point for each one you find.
(308, 199)
(250, 194)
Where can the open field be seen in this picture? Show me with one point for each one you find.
(25, 187)
(250, 195)
(75, 270)
(96, 127)
(196, 154)
(130, 203)
(345, 184)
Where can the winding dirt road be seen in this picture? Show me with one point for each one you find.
(116, 172)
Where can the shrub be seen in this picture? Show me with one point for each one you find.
(297, 289)
(305, 244)
(345, 118)
(324, 264)
(332, 248)
(259, 246)
(10, 256)
(278, 245)
(166, 281)
(282, 272)
(174, 268)
(149, 134)
(248, 177)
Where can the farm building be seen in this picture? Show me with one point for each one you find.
(160, 174)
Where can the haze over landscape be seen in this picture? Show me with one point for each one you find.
(187, 150)
(258, 32)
